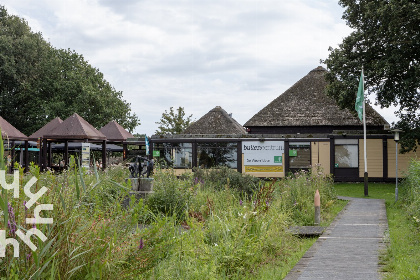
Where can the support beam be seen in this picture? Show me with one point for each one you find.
(66, 153)
(103, 154)
(44, 154)
(26, 156)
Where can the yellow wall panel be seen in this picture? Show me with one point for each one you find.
(403, 160)
(321, 155)
(374, 148)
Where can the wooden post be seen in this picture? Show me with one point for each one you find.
(103, 154)
(317, 202)
(66, 153)
(26, 156)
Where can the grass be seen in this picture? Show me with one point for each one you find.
(402, 258)
(375, 190)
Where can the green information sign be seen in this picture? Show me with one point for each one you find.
(292, 153)
(156, 153)
(278, 159)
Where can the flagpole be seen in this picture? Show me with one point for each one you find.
(366, 189)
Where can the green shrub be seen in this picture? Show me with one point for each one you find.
(219, 178)
(171, 196)
(296, 194)
(410, 193)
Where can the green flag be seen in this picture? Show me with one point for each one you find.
(360, 98)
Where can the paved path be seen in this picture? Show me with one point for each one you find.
(350, 247)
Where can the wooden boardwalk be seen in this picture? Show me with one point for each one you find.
(349, 248)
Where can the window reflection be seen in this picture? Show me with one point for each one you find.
(217, 154)
(175, 155)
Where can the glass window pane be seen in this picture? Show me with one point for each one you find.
(176, 155)
(301, 158)
(217, 154)
(346, 141)
(346, 156)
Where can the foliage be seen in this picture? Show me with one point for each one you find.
(171, 196)
(297, 194)
(173, 122)
(188, 229)
(385, 42)
(411, 192)
(221, 177)
(42, 82)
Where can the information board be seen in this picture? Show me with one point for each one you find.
(267, 153)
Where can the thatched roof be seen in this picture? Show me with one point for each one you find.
(75, 127)
(46, 129)
(115, 132)
(10, 132)
(216, 121)
(306, 104)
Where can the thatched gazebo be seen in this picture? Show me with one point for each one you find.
(306, 108)
(116, 134)
(11, 134)
(75, 129)
(46, 129)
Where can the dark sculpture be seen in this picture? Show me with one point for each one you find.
(141, 167)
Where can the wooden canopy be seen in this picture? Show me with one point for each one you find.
(46, 129)
(10, 132)
(115, 132)
(75, 127)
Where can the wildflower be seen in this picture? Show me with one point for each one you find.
(28, 256)
(240, 202)
(11, 223)
(215, 244)
(141, 244)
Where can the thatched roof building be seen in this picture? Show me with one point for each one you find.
(216, 122)
(305, 108)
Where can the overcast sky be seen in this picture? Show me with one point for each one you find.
(198, 54)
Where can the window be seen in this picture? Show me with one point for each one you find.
(346, 153)
(176, 155)
(299, 155)
(217, 154)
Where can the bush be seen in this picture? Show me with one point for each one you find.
(171, 196)
(219, 178)
(411, 192)
(296, 193)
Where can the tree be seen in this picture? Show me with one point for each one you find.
(173, 122)
(39, 82)
(386, 42)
